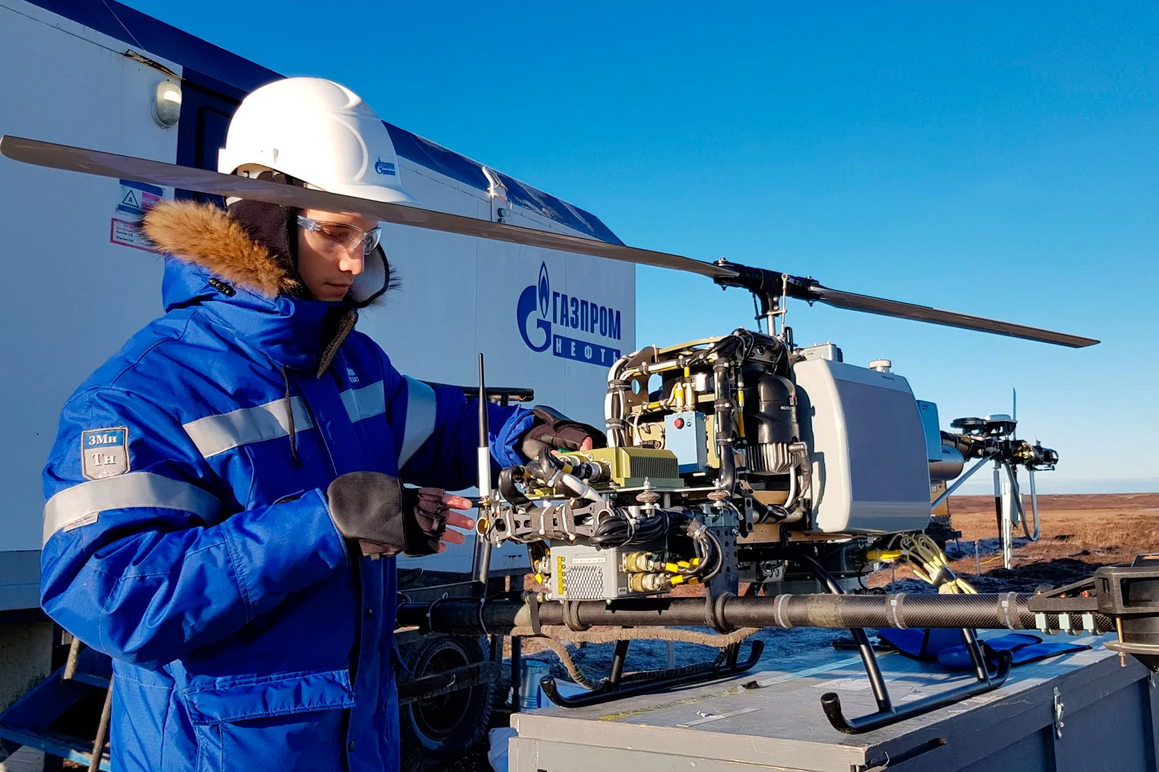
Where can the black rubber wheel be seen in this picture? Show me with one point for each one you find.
(442, 729)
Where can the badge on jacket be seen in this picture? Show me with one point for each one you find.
(104, 452)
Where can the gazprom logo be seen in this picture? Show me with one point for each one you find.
(385, 167)
(541, 313)
(544, 290)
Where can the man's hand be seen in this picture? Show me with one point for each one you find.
(454, 520)
(385, 518)
(553, 430)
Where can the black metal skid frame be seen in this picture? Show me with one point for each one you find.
(887, 712)
(617, 685)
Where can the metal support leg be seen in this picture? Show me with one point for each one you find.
(102, 730)
(732, 654)
(516, 668)
(831, 702)
(618, 658)
(1007, 495)
(73, 655)
(998, 498)
(957, 484)
(1033, 505)
(887, 713)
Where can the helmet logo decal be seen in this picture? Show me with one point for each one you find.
(384, 167)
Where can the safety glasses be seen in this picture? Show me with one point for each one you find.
(342, 236)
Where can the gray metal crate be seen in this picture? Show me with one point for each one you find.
(772, 720)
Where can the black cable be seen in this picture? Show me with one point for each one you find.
(619, 530)
(508, 487)
(718, 553)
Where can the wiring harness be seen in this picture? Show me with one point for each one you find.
(929, 563)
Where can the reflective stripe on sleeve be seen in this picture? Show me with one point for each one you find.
(219, 433)
(366, 402)
(420, 419)
(82, 504)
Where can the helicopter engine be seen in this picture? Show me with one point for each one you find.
(738, 458)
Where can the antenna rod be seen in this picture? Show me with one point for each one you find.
(484, 444)
(484, 461)
(1014, 407)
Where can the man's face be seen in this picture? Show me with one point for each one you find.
(331, 254)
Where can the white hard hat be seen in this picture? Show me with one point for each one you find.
(318, 132)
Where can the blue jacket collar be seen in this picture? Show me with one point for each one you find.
(213, 263)
(293, 332)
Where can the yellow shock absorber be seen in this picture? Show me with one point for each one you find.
(740, 413)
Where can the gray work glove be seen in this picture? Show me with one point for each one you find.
(553, 430)
(386, 518)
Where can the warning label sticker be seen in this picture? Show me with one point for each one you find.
(128, 234)
(134, 200)
(137, 197)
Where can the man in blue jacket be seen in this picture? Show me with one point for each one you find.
(224, 497)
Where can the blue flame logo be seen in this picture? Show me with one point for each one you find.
(558, 311)
(385, 168)
(544, 290)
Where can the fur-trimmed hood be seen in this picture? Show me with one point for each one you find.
(205, 235)
(213, 262)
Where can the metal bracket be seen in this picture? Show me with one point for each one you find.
(1058, 709)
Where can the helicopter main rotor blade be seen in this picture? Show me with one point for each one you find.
(102, 164)
(894, 308)
(757, 280)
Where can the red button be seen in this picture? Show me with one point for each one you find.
(678, 423)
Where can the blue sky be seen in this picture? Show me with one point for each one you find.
(996, 158)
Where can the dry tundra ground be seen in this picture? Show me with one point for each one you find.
(1079, 533)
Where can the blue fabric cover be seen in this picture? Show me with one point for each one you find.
(1024, 648)
(923, 644)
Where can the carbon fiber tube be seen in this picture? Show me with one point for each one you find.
(1003, 611)
(903, 610)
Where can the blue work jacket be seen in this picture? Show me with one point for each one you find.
(187, 539)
